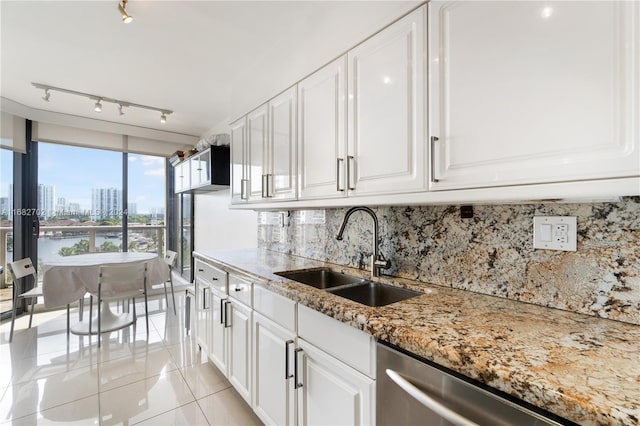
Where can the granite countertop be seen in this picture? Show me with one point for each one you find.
(582, 368)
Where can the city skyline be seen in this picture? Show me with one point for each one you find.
(75, 171)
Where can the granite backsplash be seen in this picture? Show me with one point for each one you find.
(491, 253)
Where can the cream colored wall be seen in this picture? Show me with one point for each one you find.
(217, 227)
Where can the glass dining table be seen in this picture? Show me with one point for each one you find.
(68, 279)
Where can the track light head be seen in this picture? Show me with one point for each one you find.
(122, 7)
(47, 95)
(120, 109)
(98, 106)
(163, 118)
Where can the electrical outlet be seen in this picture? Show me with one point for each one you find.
(555, 233)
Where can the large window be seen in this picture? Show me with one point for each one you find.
(82, 201)
(146, 203)
(6, 225)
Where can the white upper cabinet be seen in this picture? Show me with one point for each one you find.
(386, 84)
(267, 169)
(281, 173)
(238, 163)
(322, 139)
(533, 92)
(257, 141)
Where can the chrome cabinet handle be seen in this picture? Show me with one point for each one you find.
(338, 168)
(204, 298)
(243, 189)
(434, 139)
(351, 181)
(286, 360)
(264, 186)
(227, 323)
(296, 383)
(270, 185)
(429, 402)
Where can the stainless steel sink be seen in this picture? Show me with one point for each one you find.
(321, 278)
(374, 294)
(353, 288)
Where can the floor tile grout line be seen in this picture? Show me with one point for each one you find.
(38, 411)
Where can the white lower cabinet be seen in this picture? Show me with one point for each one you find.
(203, 315)
(239, 342)
(293, 365)
(230, 333)
(218, 350)
(330, 392)
(274, 394)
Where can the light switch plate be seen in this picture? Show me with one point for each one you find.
(555, 233)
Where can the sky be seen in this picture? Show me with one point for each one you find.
(75, 171)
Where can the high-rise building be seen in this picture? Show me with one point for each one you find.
(11, 201)
(106, 203)
(4, 207)
(132, 209)
(46, 200)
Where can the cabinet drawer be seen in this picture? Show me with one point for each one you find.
(277, 308)
(353, 347)
(240, 289)
(210, 274)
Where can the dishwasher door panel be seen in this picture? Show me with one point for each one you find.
(459, 401)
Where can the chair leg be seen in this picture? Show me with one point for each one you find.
(166, 295)
(68, 320)
(173, 295)
(146, 310)
(33, 306)
(99, 320)
(81, 308)
(15, 307)
(90, 314)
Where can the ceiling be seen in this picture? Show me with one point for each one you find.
(208, 61)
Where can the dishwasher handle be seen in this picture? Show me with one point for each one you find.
(427, 401)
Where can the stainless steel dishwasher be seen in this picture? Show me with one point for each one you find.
(412, 392)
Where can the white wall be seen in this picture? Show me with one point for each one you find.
(216, 227)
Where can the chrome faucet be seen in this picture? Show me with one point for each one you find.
(377, 261)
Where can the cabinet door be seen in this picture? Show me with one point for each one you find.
(219, 345)
(257, 155)
(282, 175)
(239, 329)
(182, 177)
(531, 92)
(332, 393)
(273, 392)
(203, 314)
(322, 132)
(197, 175)
(386, 110)
(238, 161)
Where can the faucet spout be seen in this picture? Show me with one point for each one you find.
(377, 261)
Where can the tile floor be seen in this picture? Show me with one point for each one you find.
(134, 378)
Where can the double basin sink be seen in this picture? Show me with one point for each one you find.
(359, 290)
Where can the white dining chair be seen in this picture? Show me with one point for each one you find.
(117, 282)
(19, 271)
(170, 259)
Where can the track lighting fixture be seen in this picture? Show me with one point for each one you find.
(122, 7)
(99, 100)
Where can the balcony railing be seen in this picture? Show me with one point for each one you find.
(83, 232)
